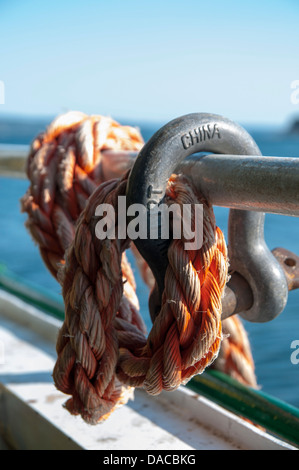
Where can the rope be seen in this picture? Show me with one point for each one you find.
(186, 335)
(88, 342)
(64, 166)
(102, 348)
(235, 357)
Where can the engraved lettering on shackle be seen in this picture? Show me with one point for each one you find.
(200, 134)
(152, 200)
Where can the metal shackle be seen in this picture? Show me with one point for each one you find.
(250, 256)
(248, 252)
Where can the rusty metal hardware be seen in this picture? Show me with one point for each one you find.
(238, 294)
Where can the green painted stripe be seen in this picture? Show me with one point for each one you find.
(276, 416)
(34, 295)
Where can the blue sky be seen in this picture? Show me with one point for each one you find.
(150, 60)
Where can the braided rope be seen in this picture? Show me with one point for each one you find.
(87, 347)
(235, 356)
(185, 337)
(64, 166)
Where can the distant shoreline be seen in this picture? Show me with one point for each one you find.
(21, 130)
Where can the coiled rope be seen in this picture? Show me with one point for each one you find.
(102, 348)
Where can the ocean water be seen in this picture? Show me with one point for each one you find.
(270, 342)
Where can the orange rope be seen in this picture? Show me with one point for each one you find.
(65, 165)
(185, 337)
(102, 347)
(88, 342)
(235, 356)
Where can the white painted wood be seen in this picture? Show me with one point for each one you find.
(32, 414)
